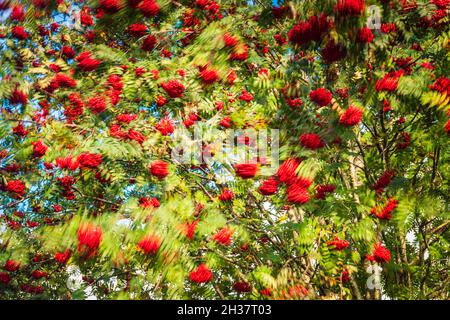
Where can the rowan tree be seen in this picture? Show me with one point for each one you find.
(96, 95)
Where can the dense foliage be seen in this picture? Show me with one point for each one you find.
(96, 95)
